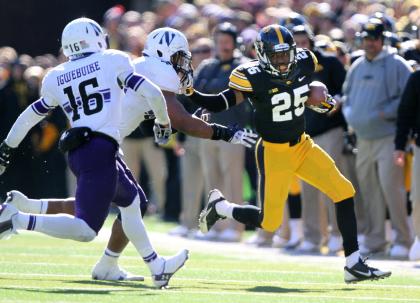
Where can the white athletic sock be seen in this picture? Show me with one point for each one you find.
(135, 231)
(32, 206)
(352, 259)
(59, 226)
(21, 221)
(225, 208)
(109, 257)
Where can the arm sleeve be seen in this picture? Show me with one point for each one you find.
(142, 87)
(214, 102)
(27, 119)
(407, 111)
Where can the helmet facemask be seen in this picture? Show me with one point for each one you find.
(277, 60)
(181, 61)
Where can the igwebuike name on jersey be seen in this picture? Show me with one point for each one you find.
(78, 72)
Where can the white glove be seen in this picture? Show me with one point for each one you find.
(186, 87)
(162, 133)
(245, 137)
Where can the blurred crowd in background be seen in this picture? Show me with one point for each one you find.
(178, 176)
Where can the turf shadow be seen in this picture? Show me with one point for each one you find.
(276, 289)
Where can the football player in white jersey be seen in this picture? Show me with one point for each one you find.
(166, 62)
(88, 88)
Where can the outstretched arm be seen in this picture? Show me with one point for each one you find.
(217, 102)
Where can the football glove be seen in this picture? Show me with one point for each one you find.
(234, 134)
(5, 154)
(202, 113)
(245, 137)
(187, 83)
(162, 133)
(325, 107)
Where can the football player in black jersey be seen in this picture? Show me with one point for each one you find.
(278, 84)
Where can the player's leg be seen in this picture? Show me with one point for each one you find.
(96, 180)
(272, 195)
(107, 267)
(128, 200)
(319, 170)
(40, 206)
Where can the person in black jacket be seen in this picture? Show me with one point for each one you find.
(408, 124)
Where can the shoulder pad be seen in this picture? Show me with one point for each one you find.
(306, 60)
(238, 78)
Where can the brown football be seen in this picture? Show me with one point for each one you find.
(318, 93)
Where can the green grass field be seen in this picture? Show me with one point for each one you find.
(36, 268)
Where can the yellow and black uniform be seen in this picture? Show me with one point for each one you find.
(284, 149)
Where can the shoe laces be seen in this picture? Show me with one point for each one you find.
(363, 261)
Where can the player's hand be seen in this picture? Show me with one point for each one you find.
(325, 106)
(5, 155)
(162, 133)
(244, 136)
(203, 114)
(399, 158)
(187, 84)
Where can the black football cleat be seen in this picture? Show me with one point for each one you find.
(361, 272)
(209, 216)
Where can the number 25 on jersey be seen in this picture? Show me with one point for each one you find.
(283, 109)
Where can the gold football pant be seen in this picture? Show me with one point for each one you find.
(277, 165)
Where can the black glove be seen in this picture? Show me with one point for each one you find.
(5, 154)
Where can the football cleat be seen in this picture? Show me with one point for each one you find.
(113, 272)
(7, 211)
(170, 266)
(361, 272)
(18, 199)
(209, 216)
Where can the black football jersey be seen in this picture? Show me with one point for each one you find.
(279, 103)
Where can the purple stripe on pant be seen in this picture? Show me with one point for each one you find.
(101, 179)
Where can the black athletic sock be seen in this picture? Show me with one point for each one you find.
(248, 214)
(346, 221)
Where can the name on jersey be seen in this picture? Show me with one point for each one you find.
(77, 73)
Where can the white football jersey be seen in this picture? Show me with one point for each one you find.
(136, 110)
(87, 90)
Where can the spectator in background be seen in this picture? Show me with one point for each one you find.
(112, 19)
(13, 100)
(408, 124)
(223, 163)
(372, 92)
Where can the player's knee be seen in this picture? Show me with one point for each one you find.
(86, 233)
(346, 191)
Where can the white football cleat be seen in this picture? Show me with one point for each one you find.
(170, 266)
(7, 211)
(18, 199)
(113, 272)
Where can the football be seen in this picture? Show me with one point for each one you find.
(318, 93)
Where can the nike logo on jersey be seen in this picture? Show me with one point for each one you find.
(301, 78)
